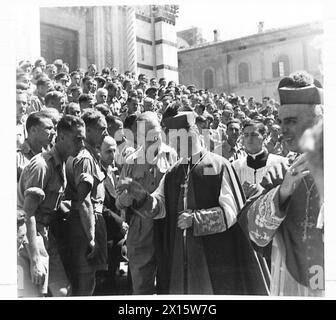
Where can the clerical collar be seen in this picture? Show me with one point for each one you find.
(195, 157)
(254, 155)
(258, 160)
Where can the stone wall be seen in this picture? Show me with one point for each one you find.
(71, 19)
(261, 54)
(106, 37)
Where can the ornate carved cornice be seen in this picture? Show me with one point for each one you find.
(167, 13)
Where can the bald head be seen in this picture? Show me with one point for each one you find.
(150, 120)
(146, 128)
(108, 150)
(149, 104)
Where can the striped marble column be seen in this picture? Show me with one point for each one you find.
(99, 32)
(131, 39)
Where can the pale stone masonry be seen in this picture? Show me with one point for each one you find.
(139, 38)
(253, 65)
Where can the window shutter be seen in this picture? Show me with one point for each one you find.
(243, 72)
(286, 63)
(275, 70)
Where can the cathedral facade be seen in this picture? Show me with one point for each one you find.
(140, 39)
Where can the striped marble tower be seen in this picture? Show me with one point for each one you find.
(131, 39)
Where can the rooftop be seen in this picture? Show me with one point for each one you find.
(316, 25)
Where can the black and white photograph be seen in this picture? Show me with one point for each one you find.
(169, 149)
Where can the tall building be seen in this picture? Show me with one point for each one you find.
(253, 65)
(189, 37)
(140, 39)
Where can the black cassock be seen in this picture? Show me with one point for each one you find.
(218, 263)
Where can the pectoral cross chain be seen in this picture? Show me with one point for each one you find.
(185, 193)
(306, 225)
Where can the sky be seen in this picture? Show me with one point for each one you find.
(238, 18)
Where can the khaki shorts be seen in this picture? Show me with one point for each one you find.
(25, 286)
(56, 279)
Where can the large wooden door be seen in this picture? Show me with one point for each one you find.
(59, 43)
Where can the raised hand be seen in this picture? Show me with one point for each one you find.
(294, 175)
(134, 189)
(274, 176)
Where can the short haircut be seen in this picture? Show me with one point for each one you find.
(102, 89)
(261, 128)
(129, 121)
(151, 90)
(22, 86)
(106, 70)
(141, 75)
(91, 117)
(34, 119)
(87, 78)
(53, 113)
(39, 60)
(233, 121)
(74, 73)
(109, 140)
(100, 80)
(68, 122)
(126, 82)
(84, 97)
(61, 75)
(200, 105)
(43, 80)
(67, 107)
(104, 109)
(132, 93)
(112, 120)
(132, 99)
(52, 95)
(111, 85)
(74, 88)
(51, 66)
(228, 106)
